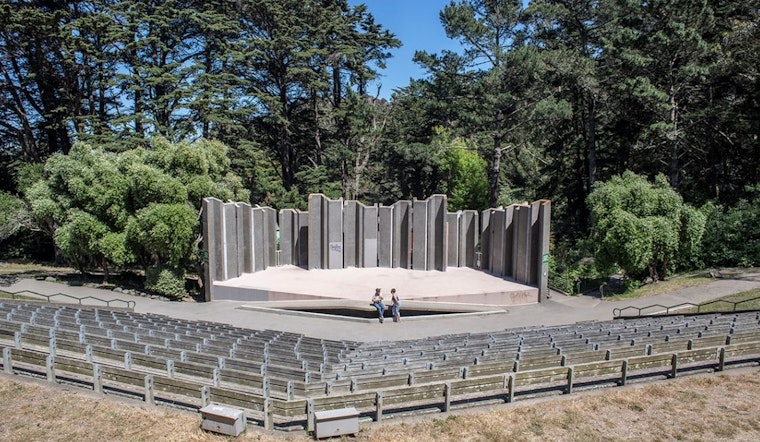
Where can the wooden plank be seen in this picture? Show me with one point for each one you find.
(187, 392)
(73, 366)
(479, 385)
(363, 400)
(539, 377)
(649, 362)
(427, 393)
(248, 401)
(697, 356)
(382, 382)
(598, 369)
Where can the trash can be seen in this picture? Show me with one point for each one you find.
(223, 419)
(330, 423)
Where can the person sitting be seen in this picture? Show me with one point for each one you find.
(377, 302)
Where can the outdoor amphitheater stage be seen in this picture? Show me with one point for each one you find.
(457, 285)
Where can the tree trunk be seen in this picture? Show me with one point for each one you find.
(493, 178)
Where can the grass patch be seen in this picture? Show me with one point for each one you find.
(749, 300)
(662, 287)
(6, 295)
(32, 269)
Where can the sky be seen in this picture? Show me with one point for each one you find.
(417, 24)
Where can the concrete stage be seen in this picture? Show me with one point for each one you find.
(460, 285)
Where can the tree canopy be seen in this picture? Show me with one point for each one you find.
(544, 99)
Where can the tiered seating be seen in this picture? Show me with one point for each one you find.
(273, 373)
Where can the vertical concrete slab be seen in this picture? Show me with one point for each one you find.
(351, 229)
(230, 241)
(436, 242)
(522, 241)
(485, 239)
(452, 259)
(368, 215)
(316, 208)
(335, 234)
(509, 234)
(419, 234)
(468, 238)
(244, 238)
(271, 230)
(544, 233)
(385, 238)
(402, 235)
(213, 244)
(534, 260)
(302, 241)
(288, 235)
(259, 231)
(496, 234)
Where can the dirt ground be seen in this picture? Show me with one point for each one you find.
(705, 407)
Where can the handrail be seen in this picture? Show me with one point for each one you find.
(128, 303)
(667, 310)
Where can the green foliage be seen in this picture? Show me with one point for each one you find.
(163, 233)
(466, 178)
(570, 267)
(13, 215)
(166, 281)
(642, 227)
(137, 206)
(732, 235)
(79, 238)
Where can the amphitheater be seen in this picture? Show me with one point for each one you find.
(283, 362)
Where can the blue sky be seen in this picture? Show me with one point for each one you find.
(417, 25)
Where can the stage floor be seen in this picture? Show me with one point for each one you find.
(455, 285)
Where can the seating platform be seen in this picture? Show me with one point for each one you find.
(282, 379)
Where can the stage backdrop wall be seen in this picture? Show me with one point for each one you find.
(512, 241)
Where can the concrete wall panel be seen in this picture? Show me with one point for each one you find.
(316, 220)
(522, 241)
(384, 236)
(259, 260)
(230, 241)
(288, 235)
(302, 241)
(436, 241)
(485, 239)
(496, 234)
(453, 239)
(419, 234)
(245, 238)
(368, 215)
(213, 243)
(269, 246)
(351, 229)
(509, 241)
(402, 235)
(335, 234)
(468, 238)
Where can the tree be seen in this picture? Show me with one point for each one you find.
(488, 31)
(659, 54)
(732, 235)
(465, 172)
(139, 206)
(642, 227)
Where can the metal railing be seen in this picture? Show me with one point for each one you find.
(668, 310)
(25, 295)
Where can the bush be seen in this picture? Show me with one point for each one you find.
(166, 281)
(732, 236)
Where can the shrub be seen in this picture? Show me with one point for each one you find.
(166, 281)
